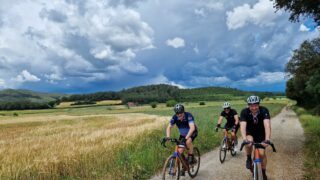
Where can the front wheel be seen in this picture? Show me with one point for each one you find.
(194, 168)
(257, 172)
(233, 149)
(171, 168)
(223, 151)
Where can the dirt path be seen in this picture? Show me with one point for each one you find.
(287, 163)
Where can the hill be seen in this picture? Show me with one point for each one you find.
(11, 99)
(163, 92)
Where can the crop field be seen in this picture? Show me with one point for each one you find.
(97, 142)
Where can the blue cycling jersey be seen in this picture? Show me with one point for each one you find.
(183, 125)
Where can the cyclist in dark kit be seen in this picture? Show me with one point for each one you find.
(232, 118)
(255, 127)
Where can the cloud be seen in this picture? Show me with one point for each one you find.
(304, 28)
(261, 14)
(82, 39)
(161, 79)
(176, 42)
(2, 83)
(25, 76)
(265, 78)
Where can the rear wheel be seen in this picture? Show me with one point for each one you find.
(194, 168)
(223, 150)
(171, 168)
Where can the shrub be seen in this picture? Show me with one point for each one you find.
(171, 103)
(154, 104)
(202, 103)
(15, 114)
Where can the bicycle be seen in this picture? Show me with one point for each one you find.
(256, 163)
(227, 145)
(176, 161)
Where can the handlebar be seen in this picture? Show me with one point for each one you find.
(255, 144)
(223, 128)
(164, 140)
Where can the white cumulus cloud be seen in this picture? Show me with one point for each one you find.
(304, 28)
(262, 14)
(25, 76)
(176, 42)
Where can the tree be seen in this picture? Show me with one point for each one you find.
(309, 8)
(303, 68)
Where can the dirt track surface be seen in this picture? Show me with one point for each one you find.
(287, 163)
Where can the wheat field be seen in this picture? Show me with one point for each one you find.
(53, 147)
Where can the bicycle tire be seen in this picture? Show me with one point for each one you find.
(223, 151)
(194, 168)
(232, 150)
(171, 163)
(257, 171)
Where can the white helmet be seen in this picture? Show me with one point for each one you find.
(253, 100)
(226, 105)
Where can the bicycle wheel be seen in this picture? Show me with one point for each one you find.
(194, 168)
(223, 151)
(171, 168)
(257, 171)
(232, 149)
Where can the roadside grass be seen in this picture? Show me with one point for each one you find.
(99, 143)
(311, 125)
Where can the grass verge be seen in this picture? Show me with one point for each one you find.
(311, 126)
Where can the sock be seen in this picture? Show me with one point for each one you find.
(249, 156)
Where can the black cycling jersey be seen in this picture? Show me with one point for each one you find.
(255, 125)
(230, 117)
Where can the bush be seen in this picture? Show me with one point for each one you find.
(15, 114)
(154, 104)
(171, 103)
(202, 103)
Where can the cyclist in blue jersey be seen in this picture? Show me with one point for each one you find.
(187, 128)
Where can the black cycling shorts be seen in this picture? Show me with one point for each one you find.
(257, 138)
(228, 126)
(193, 136)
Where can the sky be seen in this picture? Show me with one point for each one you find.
(73, 46)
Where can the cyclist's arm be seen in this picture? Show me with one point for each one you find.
(220, 119)
(236, 118)
(267, 128)
(192, 128)
(243, 127)
(169, 130)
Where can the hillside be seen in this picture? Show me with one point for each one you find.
(11, 95)
(163, 92)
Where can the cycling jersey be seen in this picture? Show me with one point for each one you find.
(255, 125)
(230, 117)
(183, 125)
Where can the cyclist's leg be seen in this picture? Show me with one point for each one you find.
(249, 152)
(181, 149)
(190, 140)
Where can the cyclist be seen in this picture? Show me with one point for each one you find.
(187, 128)
(255, 127)
(232, 121)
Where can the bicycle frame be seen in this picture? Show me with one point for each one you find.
(256, 169)
(176, 160)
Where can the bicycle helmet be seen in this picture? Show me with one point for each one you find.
(226, 105)
(253, 100)
(178, 108)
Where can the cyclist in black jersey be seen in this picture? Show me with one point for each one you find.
(255, 127)
(232, 118)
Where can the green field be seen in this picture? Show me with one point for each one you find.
(98, 142)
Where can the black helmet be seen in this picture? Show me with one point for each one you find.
(253, 100)
(178, 108)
